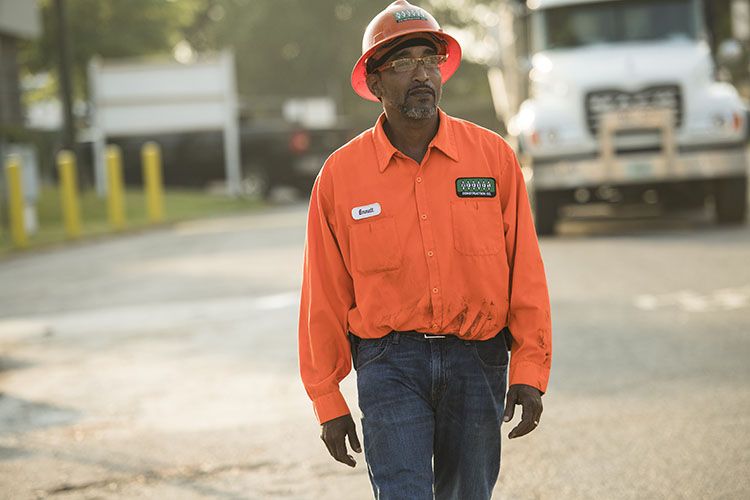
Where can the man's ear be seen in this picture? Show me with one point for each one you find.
(373, 83)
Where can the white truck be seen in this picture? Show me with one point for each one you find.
(623, 107)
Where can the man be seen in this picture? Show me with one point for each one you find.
(422, 269)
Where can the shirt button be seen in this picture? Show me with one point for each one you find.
(435, 290)
(419, 179)
(424, 216)
(434, 325)
(430, 253)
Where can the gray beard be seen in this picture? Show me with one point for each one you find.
(418, 112)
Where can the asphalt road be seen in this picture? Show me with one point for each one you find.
(163, 365)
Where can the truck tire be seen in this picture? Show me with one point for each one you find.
(546, 209)
(257, 183)
(730, 198)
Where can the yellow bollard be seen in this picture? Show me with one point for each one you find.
(66, 166)
(151, 158)
(16, 203)
(115, 192)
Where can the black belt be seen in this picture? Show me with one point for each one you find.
(426, 337)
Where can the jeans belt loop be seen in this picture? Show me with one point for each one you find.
(396, 336)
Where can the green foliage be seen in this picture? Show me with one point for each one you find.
(107, 28)
(290, 48)
(283, 48)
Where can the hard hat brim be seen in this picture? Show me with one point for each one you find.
(359, 73)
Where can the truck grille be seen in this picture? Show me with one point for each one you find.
(661, 96)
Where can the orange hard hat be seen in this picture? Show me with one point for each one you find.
(398, 19)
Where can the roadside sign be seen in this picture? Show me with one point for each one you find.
(138, 98)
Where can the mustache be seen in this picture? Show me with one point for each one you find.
(421, 87)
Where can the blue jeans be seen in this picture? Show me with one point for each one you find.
(423, 398)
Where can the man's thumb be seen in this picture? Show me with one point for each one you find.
(354, 440)
(510, 406)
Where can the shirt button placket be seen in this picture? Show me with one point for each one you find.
(428, 242)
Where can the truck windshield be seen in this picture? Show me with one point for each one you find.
(621, 21)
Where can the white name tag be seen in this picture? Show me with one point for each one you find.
(365, 211)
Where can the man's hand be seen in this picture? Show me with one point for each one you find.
(530, 399)
(333, 433)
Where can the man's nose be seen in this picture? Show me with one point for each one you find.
(420, 72)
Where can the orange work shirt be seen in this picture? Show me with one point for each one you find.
(445, 246)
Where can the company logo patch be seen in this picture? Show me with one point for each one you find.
(475, 187)
(366, 211)
(409, 15)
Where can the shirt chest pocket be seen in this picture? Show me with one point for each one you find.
(477, 227)
(374, 245)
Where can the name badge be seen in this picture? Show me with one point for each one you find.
(366, 211)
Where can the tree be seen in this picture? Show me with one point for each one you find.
(300, 48)
(283, 48)
(288, 48)
(111, 29)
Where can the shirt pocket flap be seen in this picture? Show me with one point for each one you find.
(477, 227)
(374, 245)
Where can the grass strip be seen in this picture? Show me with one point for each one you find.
(179, 205)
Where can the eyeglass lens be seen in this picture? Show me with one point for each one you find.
(408, 64)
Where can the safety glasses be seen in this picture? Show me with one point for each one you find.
(410, 63)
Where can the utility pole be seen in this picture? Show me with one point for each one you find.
(63, 66)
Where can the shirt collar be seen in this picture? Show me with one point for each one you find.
(444, 140)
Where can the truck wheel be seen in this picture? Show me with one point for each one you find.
(546, 213)
(730, 197)
(257, 183)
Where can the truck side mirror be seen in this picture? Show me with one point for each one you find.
(730, 52)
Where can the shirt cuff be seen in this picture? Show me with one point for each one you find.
(330, 406)
(528, 373)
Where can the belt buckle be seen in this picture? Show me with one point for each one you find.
(428, 336)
